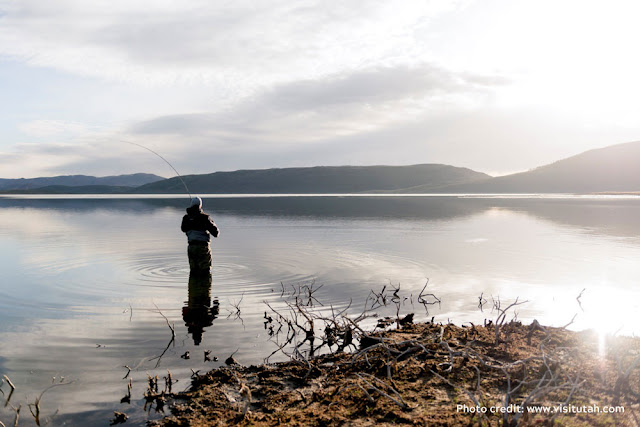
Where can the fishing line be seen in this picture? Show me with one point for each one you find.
(165, 160)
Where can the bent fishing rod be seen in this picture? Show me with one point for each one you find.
(165, 160)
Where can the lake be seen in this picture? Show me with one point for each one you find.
(87, 282)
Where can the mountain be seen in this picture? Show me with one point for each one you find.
(68, 189)
(320, 179)
(610, 169)
(133, 180)
(615, 168)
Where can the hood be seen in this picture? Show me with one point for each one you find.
(192, 210)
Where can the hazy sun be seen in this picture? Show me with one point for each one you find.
(573, 57)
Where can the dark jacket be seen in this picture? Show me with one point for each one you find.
(198, 225)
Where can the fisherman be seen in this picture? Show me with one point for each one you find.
(199, 228)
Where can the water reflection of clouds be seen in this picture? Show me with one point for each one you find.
(477, 240)
(58, 241)
(118, 246)
(14, 219)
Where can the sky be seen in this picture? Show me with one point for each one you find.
(498, 86)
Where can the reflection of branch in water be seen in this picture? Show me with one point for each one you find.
(580, 296)
(127, 397)
(172, 327)
(481, 302)
(169, 381)
(391, 294)
(424, 298)
(130, 310)
(173, 337)
(237, 312)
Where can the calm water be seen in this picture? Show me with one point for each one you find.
(81, 278)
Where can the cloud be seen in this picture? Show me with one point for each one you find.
(242, 43)
(43, 128)
(487, 139)
(370, 86)
(225, 85)
(346, 103)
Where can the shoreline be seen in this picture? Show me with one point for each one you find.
(429, 374)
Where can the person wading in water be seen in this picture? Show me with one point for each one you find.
(199, 228)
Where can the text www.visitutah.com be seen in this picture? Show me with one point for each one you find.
(541, 409)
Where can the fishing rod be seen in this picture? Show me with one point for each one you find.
(165, 160)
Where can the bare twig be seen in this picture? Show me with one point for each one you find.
(17, 417)
(6, 378)
(237, 312)
(128, 372)
(570, 322)
(13, 388)
(34, 407)
(399, 401)
(468, 393)
(502, 314)
(366, 393)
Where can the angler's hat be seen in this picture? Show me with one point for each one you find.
(196, 201)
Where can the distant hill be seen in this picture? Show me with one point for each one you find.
(67, 189)
(321, 179)
(133, 180)
(611, 169)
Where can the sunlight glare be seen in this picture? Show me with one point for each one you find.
(575, 57)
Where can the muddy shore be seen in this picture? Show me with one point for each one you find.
(430, 374)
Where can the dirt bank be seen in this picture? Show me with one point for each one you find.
(431, 374)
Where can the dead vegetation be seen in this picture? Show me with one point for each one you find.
(420, 375)
(339, 373)
(34, 408)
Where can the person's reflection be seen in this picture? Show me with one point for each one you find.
(199, 313)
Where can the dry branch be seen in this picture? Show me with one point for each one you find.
(399, 401)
